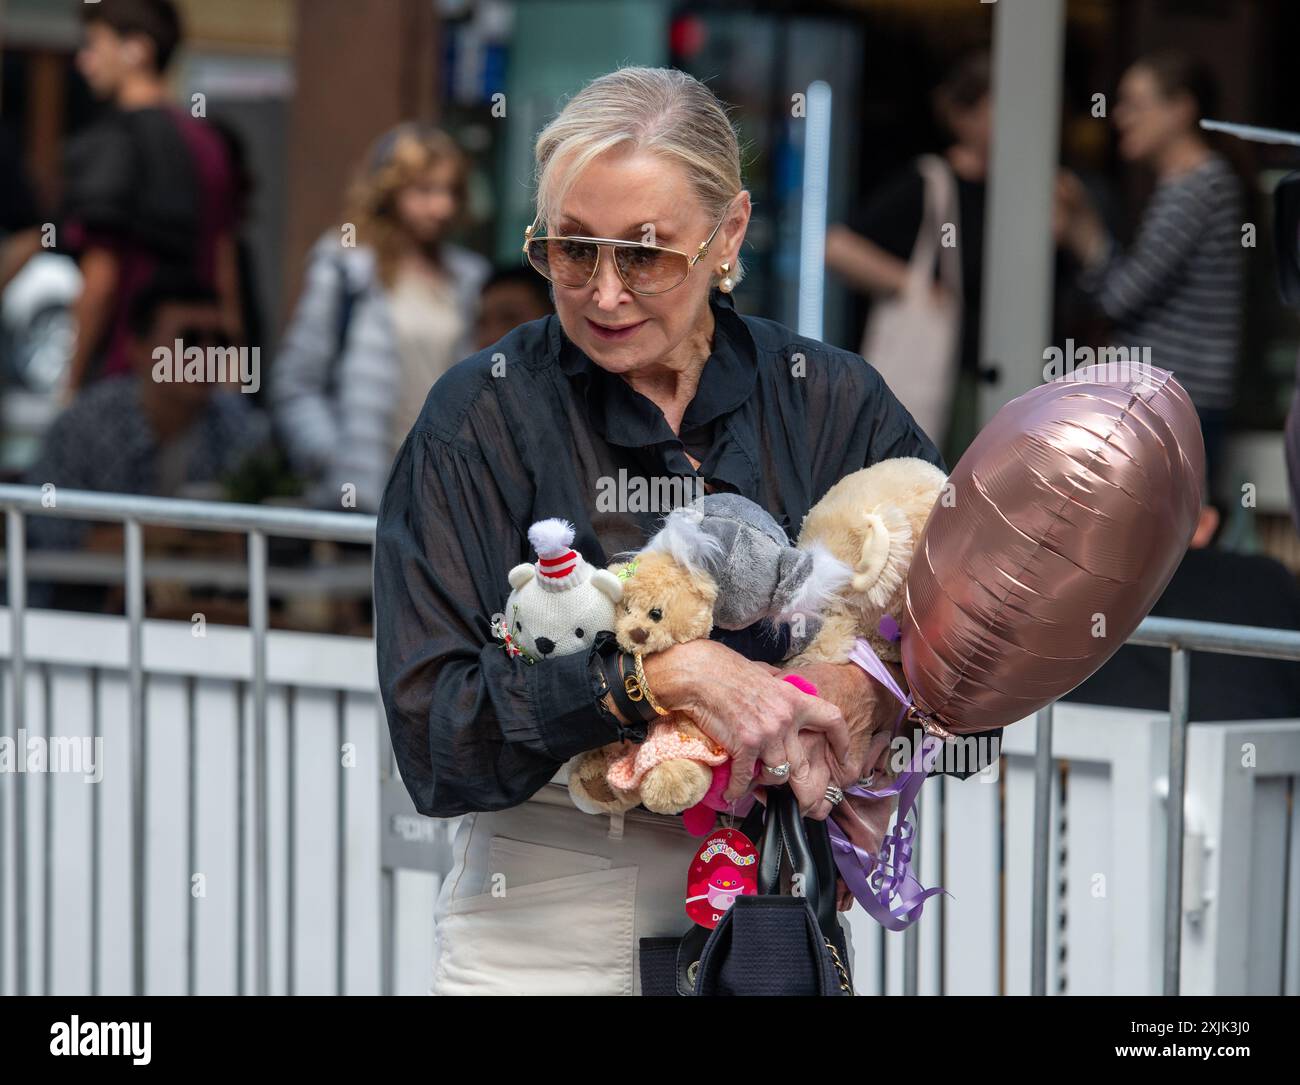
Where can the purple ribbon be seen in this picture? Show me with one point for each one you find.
(884, 884)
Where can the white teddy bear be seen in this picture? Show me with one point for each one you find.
(559, 604)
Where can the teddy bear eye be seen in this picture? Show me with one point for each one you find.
(578, 632)
(655, 614)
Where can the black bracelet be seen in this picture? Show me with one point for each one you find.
(600, 687)
(639, 713)
(605, 666)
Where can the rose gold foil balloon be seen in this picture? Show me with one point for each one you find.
(1065, 520)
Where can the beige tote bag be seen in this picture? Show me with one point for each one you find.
(912, 338)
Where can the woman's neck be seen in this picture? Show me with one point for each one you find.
(141, 91)
(968, 163)
(1182, 156)
(671, 383)
(423, 256)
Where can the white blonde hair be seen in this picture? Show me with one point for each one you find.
(660, 110)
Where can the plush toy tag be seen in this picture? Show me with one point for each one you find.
(724, 868)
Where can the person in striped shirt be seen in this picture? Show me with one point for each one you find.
(1178, 289)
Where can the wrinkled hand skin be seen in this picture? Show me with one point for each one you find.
(869, 709)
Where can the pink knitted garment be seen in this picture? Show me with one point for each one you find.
(666, 742)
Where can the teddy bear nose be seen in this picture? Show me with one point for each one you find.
(545, 645)
(639, 635)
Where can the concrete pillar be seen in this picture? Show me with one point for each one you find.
(1016, 320)
(359, 69)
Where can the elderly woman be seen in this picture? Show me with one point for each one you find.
(646, 368)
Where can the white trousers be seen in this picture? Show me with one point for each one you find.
(545, 899)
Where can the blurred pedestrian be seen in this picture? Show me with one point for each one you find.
(383, 313)
(148, 187)
(1178, 289)
(918, 249)
(145, 431)
(512, 296)
(252, 318)
(1291, 442)
(20, 216)
(1286, 226)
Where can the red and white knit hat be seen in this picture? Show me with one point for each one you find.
(559, 567)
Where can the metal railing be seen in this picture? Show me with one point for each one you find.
(134, 512)
(1179, 636)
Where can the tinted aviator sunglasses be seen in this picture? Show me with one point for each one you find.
(572, 261)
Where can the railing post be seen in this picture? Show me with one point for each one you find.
(96, 820)
(912, 936)
(1179, 688)
(134, 543)
(341, 848)
(1042, 849)
(191, 840)
(16, 541)
(290, 841)
(257, 618)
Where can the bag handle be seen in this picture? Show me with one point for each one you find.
(763, 829)
(807, 844)
(938, 205)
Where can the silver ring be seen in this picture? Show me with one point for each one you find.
(780, 771)
(834, 795)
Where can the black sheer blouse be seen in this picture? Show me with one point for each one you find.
(531, 428)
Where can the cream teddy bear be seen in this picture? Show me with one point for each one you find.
(871, 520)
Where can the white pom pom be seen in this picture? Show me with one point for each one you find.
(551, 537)
(827, 579)
(685, 540)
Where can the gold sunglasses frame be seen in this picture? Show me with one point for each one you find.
(602, 242)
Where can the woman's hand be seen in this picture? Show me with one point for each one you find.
(823, 769)
(869, 710)
(843, 895)
(864, 263)
(1075, 221)
(754, 715)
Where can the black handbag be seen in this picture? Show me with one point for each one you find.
(774, 943)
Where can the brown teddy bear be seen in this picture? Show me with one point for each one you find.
(664, 602)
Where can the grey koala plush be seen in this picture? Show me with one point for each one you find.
(759, 574)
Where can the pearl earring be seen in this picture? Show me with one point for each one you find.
(728, 283)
